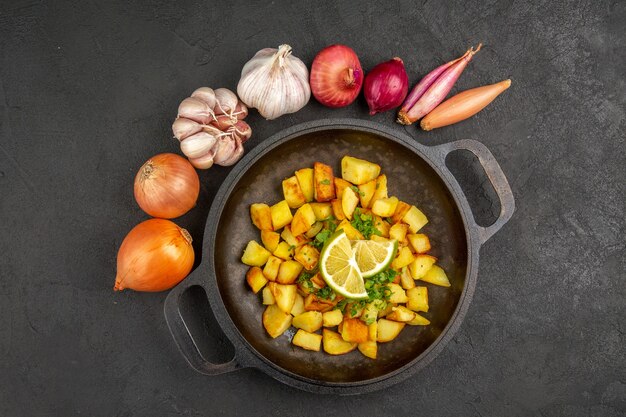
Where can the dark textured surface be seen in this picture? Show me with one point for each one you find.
(88, 92)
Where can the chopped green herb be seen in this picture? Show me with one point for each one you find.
(325, 182)
(357, 191)
(326, 293)
(320, 239)
(292, 247)
(305, 279)
(364, 223)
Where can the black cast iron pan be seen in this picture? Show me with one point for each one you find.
(417, 174)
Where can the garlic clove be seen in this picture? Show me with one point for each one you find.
(196, 110)
(236, 154)
(183, 128)
(205, 161)
(224, 121)
(241, 110)
(242, 131)
(226, 145)
(226, 101)
(197, 145)
(212, 130)
(205, 94)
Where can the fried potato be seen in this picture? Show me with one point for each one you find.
(388, 330)
(308, 341)
(255, 254)
(293, 193)
(310, 321)
(358, 171)
(334, 344)
(275, 320)
(261, 216)
(324, 183)
(255, 279)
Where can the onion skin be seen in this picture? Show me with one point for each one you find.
(336, 76)
(154, 256)
(438, 90)
(463, 105)
(166, 186)
(386, 86)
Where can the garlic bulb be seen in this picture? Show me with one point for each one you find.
(274, 82)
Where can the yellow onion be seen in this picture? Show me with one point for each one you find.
(167, 186)
(155, 256)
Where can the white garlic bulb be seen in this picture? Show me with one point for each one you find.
(274, 82)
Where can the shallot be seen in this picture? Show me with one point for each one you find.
(386, 86)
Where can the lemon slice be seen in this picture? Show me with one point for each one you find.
(373, 257)
(339, 267)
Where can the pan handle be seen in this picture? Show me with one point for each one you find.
(495, 175)
(182, 334)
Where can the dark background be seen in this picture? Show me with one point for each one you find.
(88, 92)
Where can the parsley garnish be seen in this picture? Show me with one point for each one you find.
(364, 223)
(320, 239)
(357, 191)
(325, 182)
(326, 293)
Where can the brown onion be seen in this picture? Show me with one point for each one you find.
(167, 186)
(155, 256)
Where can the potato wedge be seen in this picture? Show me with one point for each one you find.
(305, 180)
(381, 189)
(308, 341)
(418, 299)
(398, 296)
(418, 321)
(354, 330)
(436, 275)
(281, 215)
(401, 210)
(406, 280)
(385, 207)
(270, 271)
(268, 298)
(349, 201)
(415, 219)
(255, 254)
(340, 185)
(351, 232)
(401, 314)
(310, 321)
(368, 348)
(366, 192)
(404, 258)
(398, 232)
(308, 256)
(338, 209)
(334, 344)
(421, 265)
(332, 318)
(261, 216)
(388, 330)
(293, 193)
(285, 295)
(303, 220)
(255, 279)
(322, 210)
(358, 171)
(419, 242)
(298, 306)
(288, 272)
(372, 331)
(275, 320)
(284, 251)
(324, 183)
(270, 240)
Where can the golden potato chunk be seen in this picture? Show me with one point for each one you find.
(255, 254)
(324, 182)
(270, 271)
(334, 344)
(298, 306)
(382, 226)
(401, 210)
(415, 219)
(308, 341)
(261, 216)
(338, 209)
(370, 313)
(366, 193)
(340, 185)
(358, 171)
(288, 272)
(350, 231)
(293, 193)
(275, 320)
(354, 330)
(308, 256)
(291, 239)
(436, 275)
(270, 240)
(419, 242)
(418, 299)
(385, 207)
(418, 321)
(406, 280)
(310, 321)
(372, 331)
(369, 349)
(421, 265)
(303, 220)
(305, 180)
(314, 303)
(398, 232)
(388, 330)
(381, 189)
(398, 296)
(404, 258)
(322, 210)
(285, 295)
(401, 314)
(284, 251)
(281, 215)
(349, 201)
(268, 298)
(255, 278)
(332, 318)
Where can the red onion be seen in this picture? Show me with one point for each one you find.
(433, 89)
(336, 76)
(386, 85)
